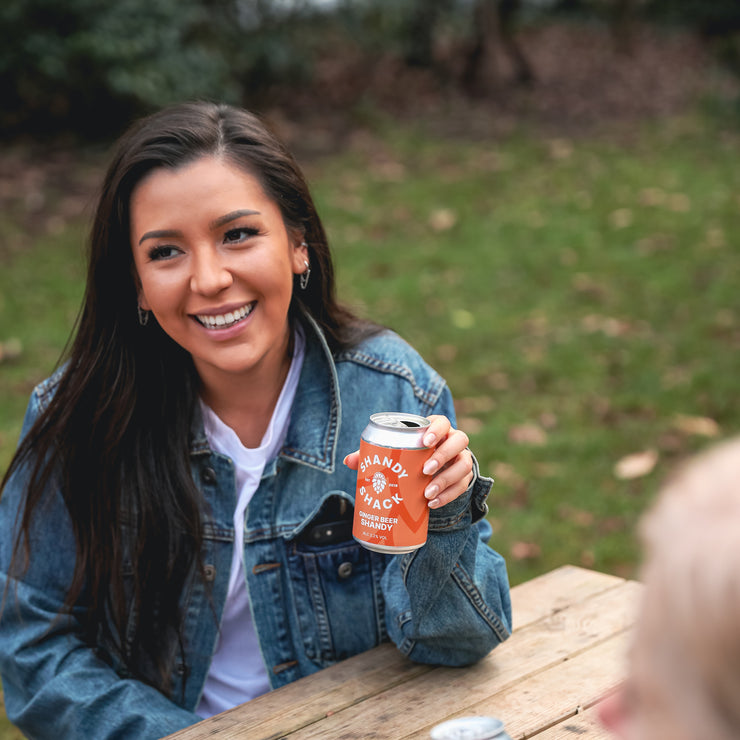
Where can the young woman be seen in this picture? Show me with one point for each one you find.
(164, 552)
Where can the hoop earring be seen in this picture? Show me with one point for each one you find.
(143, 315)
(304, 276)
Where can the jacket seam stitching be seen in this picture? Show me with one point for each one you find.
(465, 583)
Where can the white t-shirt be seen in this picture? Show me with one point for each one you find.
(237, 673)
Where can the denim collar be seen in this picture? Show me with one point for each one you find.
(313, 431)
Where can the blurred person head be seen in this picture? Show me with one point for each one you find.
(684, 666)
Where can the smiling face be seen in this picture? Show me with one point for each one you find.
(215, 265)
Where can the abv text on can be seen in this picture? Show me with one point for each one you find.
(391, 512)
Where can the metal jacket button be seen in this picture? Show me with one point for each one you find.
(208, 475)
(209, 572)
(344, 570)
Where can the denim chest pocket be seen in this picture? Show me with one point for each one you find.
(336, 586)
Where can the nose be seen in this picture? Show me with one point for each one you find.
(210, 273)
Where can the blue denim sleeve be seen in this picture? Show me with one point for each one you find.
(54, 684)
(448, 602)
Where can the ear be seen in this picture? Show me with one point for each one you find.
(299, 255)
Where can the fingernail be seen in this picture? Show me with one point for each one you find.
(345, 459)
(429, 439)
(431, 491)
(434, 504)
(430, 466)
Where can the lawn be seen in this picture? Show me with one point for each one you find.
(579, 295)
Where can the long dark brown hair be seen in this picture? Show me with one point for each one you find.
(114, 439)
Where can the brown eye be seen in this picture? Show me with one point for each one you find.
(163, 253)
(235, 236)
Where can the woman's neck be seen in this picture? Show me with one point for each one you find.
(246, 403)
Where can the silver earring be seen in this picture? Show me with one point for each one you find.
(143, 315)
(304, 276)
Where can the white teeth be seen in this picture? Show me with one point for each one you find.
(224, 320)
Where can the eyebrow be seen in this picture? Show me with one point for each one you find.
(215, 224)
(160, 234)
(227, 218)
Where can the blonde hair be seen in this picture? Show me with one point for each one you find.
(692, 595)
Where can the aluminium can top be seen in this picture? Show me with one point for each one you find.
(470, 728)
(398, 420)
(396, 430)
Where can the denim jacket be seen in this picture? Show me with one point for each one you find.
(313, 603)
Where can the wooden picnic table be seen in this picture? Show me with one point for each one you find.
(567, 652)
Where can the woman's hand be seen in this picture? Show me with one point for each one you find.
(450, 466)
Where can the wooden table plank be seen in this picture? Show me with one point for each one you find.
(556, 616)
(584, 725)
(311, 698)
(555, 694)
(553, 591)
(444, 692)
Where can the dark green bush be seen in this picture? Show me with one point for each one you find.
(86, 64)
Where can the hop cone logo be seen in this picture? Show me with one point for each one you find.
(379, 482)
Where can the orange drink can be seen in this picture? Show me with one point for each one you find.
(391, 512)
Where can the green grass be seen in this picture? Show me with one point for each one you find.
(584, 290)
(586, 287)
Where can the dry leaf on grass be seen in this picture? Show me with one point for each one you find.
(528, 434)
(525, 550)
(636, 465)
(469, 424)
(10, 350)
(442, 219)
(506, 474)
(701, 425)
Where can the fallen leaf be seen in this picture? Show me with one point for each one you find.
(652, 197)
(701, 425)
(498, 381)
(446, 352)
(621, 218)
(548, 420)
(528, 434)
(10, 349)
(609, 325)
(525, 550)
(581, 517)
(469, 424)
(548, 470)
(636, 465)
(443, 219)
(716, 237)
(679, 203)
(506, 474)
(585, 284)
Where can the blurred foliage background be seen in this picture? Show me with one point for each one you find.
(88, 65)
(541, 195)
